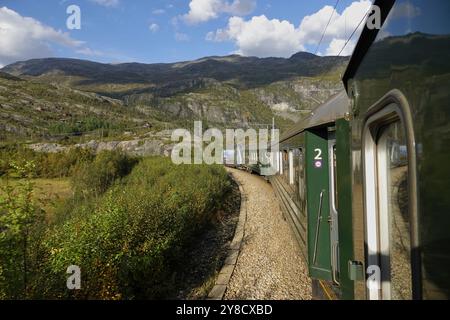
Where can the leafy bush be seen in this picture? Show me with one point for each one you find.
(47, 165)
(83, 125)
(129, 241)
(62, 164)
(21, 222)
(132, 243)
(94, 178)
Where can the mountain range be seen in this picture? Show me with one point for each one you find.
(72, 95)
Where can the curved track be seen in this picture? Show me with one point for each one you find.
(270, 265)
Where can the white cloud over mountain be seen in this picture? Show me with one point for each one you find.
(23, 38)
(263, 37)
(260, 36)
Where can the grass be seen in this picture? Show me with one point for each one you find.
(50, 192)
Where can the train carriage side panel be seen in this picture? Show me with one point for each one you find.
(292, 204)
(344, 206)
(399, 79)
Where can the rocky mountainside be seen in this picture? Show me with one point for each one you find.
(34, 109)
(58, 95)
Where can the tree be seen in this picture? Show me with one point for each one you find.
(20, 219)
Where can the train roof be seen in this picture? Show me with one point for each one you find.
(335, 108)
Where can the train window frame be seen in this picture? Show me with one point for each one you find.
(291, 167)
(285, 164)
(391, 108)
(280, 163)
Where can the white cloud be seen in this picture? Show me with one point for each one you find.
(341, 25)
(154, 27)
(205, 10)
(23, 38)
(107, 3)
(336, 46)
(262, 37)
(239, 7)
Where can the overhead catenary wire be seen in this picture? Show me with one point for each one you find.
(326, 27)
(349, 38)
(354, 31)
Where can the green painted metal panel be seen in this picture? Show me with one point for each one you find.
(344, 206)
(317, 180)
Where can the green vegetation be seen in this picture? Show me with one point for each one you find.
(94, 178)
(126, 222)
(85, 125)
(127, 226)
(47, 165)
(21, 221)
(50, 193)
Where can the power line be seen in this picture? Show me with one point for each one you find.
(348, 40)
(354, 31)
(328, 24)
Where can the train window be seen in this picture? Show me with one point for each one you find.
(297, 163)
(388, 230)
(301, 178)
(291, 167)
(286, 166)
(280, 163)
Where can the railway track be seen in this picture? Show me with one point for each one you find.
(270, 265)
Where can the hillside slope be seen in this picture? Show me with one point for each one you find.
(231, 91)
(33, 109)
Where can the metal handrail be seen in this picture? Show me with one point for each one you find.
(319, 220)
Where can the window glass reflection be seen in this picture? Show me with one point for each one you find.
(392, 146)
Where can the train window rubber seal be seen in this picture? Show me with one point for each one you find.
(393, 106)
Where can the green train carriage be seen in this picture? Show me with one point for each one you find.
(398, 81)
(364, 180)
(310, 173)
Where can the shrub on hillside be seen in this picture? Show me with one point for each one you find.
(131, 245)
(62, 164)
(48, 165)
(21, 226)
(94, 178)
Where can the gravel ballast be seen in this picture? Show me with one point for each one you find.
(270, 265)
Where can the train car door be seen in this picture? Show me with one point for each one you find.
(387, 206)
(323, 253)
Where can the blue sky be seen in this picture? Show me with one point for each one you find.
(154, 31)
